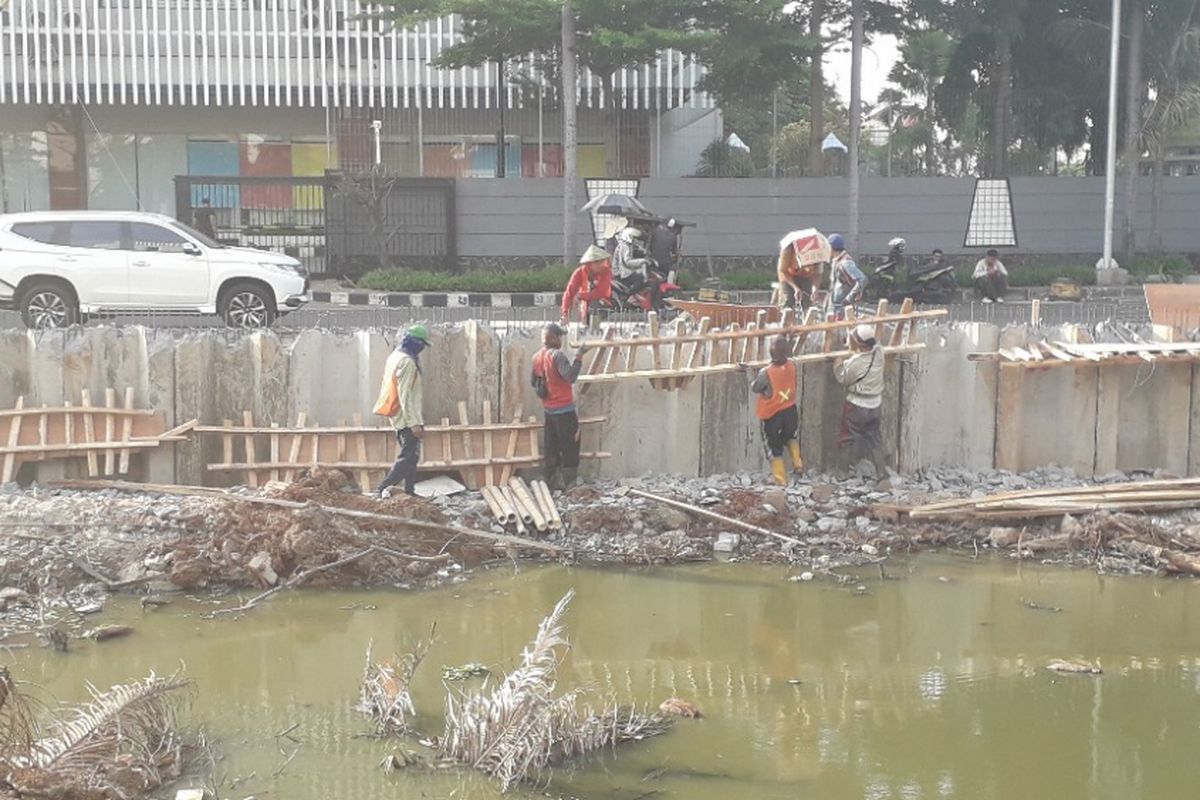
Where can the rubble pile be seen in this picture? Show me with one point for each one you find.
(91, 542)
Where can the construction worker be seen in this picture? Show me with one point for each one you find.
(776, 388)
(847, 282)
(862, 374)
(552, 378)
(402, 376)
(590, 283)
(797, 282)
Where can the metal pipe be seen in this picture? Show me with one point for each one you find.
(1110, 169)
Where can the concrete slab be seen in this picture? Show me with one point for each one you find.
(730, 432)
(948, 404)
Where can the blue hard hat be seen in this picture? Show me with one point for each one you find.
(836, 242)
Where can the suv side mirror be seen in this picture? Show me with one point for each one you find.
(191, 249)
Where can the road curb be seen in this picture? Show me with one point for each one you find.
(440, 299)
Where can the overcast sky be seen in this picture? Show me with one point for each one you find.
(878, 58)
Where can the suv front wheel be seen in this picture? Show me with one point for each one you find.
(49, 305)
(246, 305)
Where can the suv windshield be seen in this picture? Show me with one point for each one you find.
(204, 239)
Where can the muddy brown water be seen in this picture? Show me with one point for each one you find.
(927, 686)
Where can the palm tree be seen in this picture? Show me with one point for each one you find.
(1174, 67)
(924, 57)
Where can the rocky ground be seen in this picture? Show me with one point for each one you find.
(68, 550)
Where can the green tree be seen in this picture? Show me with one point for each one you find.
(924, 57)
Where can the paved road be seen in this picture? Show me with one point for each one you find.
(321, 315)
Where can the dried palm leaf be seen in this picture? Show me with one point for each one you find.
(386, 688)
(18, 727)
(520, 729)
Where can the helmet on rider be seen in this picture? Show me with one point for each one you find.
(837, 243)
(897, 244)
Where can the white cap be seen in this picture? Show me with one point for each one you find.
(864, 333)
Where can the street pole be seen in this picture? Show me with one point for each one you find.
(1110, 168)
(569, 89)
(856, 48)
(501, 144)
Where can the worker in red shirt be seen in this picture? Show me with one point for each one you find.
(590, 283)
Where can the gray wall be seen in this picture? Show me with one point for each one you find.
(746, 217)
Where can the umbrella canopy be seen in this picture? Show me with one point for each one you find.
(620, 204)
(810, 246)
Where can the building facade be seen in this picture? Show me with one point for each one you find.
(103, 102)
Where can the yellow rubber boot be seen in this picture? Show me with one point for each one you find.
(797, 461)
(779, 471)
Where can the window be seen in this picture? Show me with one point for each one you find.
(98, 235)
(149, 238)
(44, 232)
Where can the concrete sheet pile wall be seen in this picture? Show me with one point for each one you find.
(939, 407)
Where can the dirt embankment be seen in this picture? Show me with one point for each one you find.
(53, 542)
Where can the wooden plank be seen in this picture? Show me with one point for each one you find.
(69, 425)
(471, 477)
(454, 464)
(906, 316)
(126, 431)
(227, 443)
(14, 436)
(248, 442)
(699, 348)
(273, 447)
(713, 369)
(349, 429)
(534, 445)
(110, 456)
(511, 450)
(677, 348)
(360, 448)
(655, 340)
(89, 432)
(68, 407)
(602, 359)
(881, 310)
(742, 334)
(830, 334)
(810, 318)
(489, 472)
(296, 440)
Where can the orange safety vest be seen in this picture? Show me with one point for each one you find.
(782, 378)
(559, 393)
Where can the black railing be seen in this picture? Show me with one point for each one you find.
(333, 223)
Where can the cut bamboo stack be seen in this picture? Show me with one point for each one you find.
(1143, 496)
(528, 507)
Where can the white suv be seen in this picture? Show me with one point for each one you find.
(57, 267)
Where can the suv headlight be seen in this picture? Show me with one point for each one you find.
(287, 269)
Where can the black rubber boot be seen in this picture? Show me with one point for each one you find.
(569, 477)
(551, 477)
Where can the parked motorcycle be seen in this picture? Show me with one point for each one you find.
(881, 283)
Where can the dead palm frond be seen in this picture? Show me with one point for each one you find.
(520, 729)
(18, 726)
(121, 743)
(386, 688)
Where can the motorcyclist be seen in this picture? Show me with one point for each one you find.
(631, 266)
(895, 257)
(847, 281)
(665, 242)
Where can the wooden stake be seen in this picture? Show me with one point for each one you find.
(489, 471)
(14, 436)
(89, 432)
(248, 441)
(110, 425)
(360, 445)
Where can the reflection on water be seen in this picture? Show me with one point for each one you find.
(925, 687)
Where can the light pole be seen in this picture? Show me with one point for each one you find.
(1110, 167)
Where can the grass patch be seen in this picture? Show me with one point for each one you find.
(548, 279)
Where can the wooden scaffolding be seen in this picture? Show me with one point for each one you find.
(672, 362)
(482, 453)
(105, 437)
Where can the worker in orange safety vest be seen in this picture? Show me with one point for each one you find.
(776, 387)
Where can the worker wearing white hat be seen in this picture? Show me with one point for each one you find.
(862, 374)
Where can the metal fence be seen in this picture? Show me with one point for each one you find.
(332, 223)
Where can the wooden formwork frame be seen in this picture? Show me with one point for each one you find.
(482, 453)
(105, 437)
(679, 358)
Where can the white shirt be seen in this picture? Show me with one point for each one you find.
(981, 268)
(862, 375)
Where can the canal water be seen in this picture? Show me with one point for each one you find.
(930, 684)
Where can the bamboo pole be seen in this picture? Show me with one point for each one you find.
(524, 518)
(523, 495)
(702, 512)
